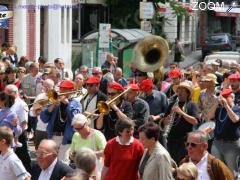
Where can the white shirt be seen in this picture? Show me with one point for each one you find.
(21, 109)
(202, 168)
(90, 106)
(41, 126)
(46, 174)
(11, 167)
(127, 144)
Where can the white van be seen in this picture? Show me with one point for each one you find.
(228, 59)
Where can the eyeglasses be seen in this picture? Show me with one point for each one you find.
(192, 144)
(112, 94)
(95, 73)
(42, 154)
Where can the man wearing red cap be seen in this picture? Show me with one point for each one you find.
(94, 95)
(235, 86)
(140, 107)
(59, 117)
(226, 144)
(175, 75)
(156, 100)
(120, 109)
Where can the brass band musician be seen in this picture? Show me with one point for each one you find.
(94, 95)
(183, 116)
(120, 109)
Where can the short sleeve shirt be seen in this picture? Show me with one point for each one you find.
(11, 167)
(96, 141)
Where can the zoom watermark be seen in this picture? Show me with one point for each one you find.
(48, 6)
(203, 6)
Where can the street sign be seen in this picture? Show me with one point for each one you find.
(146, 10)
(146, 26)
(104, 35)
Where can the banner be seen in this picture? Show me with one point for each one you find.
(4, 16)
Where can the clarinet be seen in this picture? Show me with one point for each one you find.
(172, 116)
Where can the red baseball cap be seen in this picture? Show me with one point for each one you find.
(146, 85)
(93, 80)
(67, 84)
(226, 92)
(116, 86)
(175, 73)
(234, 76)
(133, 87)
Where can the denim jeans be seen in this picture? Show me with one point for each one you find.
(228, 152)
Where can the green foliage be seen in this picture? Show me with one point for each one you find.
(178, 10)
(124, 14)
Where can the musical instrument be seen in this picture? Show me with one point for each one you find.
(104, 107)
(150, 53)
(208, 128)
(168, 127)
(53, 96)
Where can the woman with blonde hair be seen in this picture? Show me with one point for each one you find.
(187, 171)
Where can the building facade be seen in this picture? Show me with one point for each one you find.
(40, 28)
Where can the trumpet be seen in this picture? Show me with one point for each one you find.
(104, 106)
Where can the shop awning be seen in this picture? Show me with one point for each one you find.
(227, 12)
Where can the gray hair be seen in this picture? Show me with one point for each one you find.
(203, 136)
(13, 88)
(85, 159)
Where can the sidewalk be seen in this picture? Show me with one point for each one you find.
(192, 59)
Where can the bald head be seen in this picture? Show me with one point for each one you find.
(46, 153)
(49, 145)
(118, 74)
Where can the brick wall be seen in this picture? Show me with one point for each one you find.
(31, 34)
(10, 26)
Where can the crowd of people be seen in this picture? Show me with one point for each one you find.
(97, 124)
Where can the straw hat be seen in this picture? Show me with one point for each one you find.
(210, 77)
(186, 84)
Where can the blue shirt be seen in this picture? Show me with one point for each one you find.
(6, 118)
(225, 129)
(73, 107)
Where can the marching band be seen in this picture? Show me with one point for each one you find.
(105, 112)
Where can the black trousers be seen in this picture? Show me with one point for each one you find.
(177, 149)
(22, 152)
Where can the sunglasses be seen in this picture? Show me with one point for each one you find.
(192, 144)
(80, 128)
(112, 94)
(140, 75)
(91, 85)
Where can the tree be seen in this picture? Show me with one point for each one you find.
(125, 14)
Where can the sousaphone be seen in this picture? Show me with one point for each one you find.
(150, 53)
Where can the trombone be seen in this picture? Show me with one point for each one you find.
(52, 97)
(104, 106)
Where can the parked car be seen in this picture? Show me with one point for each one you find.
(227, 59)
(218, 42)
(227, 52)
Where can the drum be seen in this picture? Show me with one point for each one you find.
(208, 127)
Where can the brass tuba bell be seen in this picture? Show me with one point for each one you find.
(150, 53)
